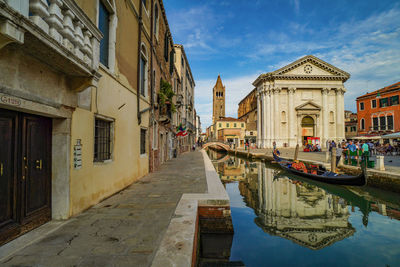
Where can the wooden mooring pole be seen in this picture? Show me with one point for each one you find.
(333, 159)
(296, 152)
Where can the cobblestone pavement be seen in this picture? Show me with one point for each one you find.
(125, 229)
(392, 163)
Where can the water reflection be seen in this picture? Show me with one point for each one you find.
(311, 214)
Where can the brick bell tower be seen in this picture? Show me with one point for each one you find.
(218, 100)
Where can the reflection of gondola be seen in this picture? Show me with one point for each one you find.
(321, 175)
(340, 191)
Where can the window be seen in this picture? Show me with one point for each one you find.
(394, 100)
(143, 71)
(283, 116)
(375, 123)
(156, 19)
(155, 135)
(220, 125)
(362, 124)
(346, 129)
(373, 103)
(171, 61)
(107, 23)
(390, 122)
(166, 48)
(227, 125)
(362, 106)
(382, 121)
(102, 140)
(242, 125)
(143, 141)
(234, 125)
(383, 102)
(104, 18)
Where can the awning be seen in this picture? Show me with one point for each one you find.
(391, 136)
(366, 137)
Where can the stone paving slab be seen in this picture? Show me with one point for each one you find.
(123, 230)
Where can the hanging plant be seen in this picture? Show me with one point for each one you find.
(165, 95)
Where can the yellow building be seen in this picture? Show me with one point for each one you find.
(77, 84)
(230, 130)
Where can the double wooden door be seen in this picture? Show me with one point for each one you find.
(25, 173)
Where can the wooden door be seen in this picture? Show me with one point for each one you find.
(25, 173)
(8, 175)
(36, 170)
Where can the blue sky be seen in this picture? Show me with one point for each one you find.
(240, 39)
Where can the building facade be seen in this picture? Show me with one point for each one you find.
(247, 111)
(218, 100)
(378, 112)
(185, 99)
(230, 130)
(79, 90)
(350, 120)
(303, 99)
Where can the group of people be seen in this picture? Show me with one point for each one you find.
(344, 146)
(312, 148)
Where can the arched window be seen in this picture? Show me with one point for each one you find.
(156, 19)
(143, 70)
(362, 124)
(283, 116)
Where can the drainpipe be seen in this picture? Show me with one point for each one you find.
(152, 81)
(139, 115)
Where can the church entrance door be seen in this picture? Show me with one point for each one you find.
(307, 128)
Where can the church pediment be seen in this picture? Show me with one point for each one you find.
(308, 106)
(305, 68)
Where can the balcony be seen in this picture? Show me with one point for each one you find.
(58, 34)
(165, 116)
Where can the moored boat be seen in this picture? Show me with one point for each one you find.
(318, 174)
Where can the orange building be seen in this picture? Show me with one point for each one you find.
(379, 112)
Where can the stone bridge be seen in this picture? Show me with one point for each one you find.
(217, 143)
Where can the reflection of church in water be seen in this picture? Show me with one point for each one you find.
(303, 213)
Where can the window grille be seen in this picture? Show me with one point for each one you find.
(102, 140)
(390, 122)
(142, 141)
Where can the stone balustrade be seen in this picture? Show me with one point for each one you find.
(64, 22)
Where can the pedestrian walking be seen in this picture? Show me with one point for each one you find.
(339, 152)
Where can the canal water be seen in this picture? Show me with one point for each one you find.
(283, 220)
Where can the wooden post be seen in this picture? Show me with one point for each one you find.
(248, 152)
(333, 159)
(296, 152)
(348, 157)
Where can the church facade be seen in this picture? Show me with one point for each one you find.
(303, 99)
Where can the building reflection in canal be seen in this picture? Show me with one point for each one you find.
(296, 210)
(303, 213)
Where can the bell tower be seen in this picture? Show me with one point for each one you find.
(218, 100)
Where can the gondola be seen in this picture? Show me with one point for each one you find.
(321, 175)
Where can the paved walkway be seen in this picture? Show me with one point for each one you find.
(392, 163)
(123, 230)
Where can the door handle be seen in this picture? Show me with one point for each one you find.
(1, 168)
(40, 164)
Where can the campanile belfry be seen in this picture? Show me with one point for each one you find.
(218, 100)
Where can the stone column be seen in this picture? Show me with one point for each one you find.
(267, 118)
(340, 114)
(265, 114)
(259, 111)
(277, 116)
(299, 136)
(325, 111)
(271, 117)
(319, 128)
(291, 122)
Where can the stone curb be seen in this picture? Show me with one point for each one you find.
(177, 245)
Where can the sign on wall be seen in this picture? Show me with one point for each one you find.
(78, 155)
